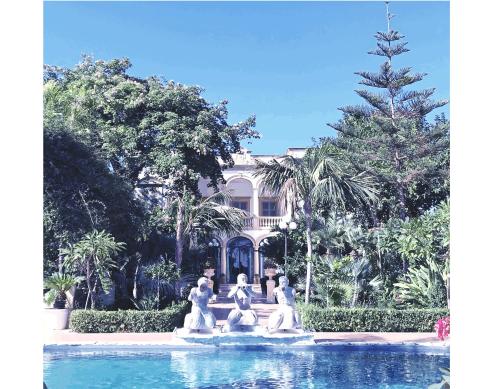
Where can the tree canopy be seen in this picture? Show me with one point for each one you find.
(390, 138)
(143, 126)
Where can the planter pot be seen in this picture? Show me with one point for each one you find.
(70, 297)
(270, 273)
(57, 319)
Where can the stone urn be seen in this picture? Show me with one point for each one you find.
(209, 273)
(270, 284)
(270, 272)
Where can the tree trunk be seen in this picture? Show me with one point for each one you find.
(93, 295)
(402, 214)
(308, 217)
(354, 296)
(401, 201)
(136, 276)
(87, 274)
(88, 294)
(179, 235)
(60, 262)
(158, 292)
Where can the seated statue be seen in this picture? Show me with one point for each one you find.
(200, 317)
(286, 316)
(242, 315)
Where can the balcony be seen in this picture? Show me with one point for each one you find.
(261, 222)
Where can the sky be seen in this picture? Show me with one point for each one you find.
(291, 64)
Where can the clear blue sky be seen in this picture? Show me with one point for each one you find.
(291, 64)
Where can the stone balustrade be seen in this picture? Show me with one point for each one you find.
(261, 222)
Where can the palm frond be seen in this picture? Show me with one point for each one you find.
(214, 213)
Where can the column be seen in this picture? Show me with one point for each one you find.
(256, 265)
(256, 207)
(223, 267)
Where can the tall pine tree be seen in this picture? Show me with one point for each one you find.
(390, 138)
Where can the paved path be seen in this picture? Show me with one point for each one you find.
(62, 337)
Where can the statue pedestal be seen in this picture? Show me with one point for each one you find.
(270, 285)
(254, 336)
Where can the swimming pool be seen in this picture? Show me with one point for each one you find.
(356, 367)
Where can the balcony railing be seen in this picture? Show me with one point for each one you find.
(261, 222)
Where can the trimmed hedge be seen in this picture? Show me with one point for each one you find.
(129, 321)
(370, 319)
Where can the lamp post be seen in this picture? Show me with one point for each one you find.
(214, 248)
(287, 225)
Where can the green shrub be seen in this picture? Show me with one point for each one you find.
(370, 320)
(129, 321)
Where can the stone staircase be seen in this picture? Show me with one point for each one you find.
(223, 305)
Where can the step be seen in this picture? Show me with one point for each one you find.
(223, 305)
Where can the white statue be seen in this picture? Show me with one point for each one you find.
(200, 317)
(286, 316)
(243, 314)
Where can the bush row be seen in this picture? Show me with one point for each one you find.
(370, 320)
(129, 321)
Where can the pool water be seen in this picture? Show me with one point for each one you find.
(245, 367)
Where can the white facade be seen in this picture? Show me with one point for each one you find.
(241, 253)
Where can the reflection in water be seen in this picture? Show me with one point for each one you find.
(301, 369)
(254, 370)
(247, 367)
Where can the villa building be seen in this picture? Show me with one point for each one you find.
(241, 254)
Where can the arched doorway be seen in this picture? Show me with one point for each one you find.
(239, 258)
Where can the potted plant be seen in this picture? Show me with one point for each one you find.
(270, 268)
(58, 285)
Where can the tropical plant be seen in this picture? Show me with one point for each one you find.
(213, 214)
(59, 284)
(424, 286)
(442, 328)
(361, 271)
(331, 282)
(316, 181)
(165, 274)
(148, 302)
(337, 234)
(81, 193)
(93, 257)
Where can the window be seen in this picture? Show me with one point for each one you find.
(269, 208)
(242, 204)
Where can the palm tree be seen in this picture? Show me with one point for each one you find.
(336, 233)
(93, 256)
(211, 214)
(317, 181)
(59, 284)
